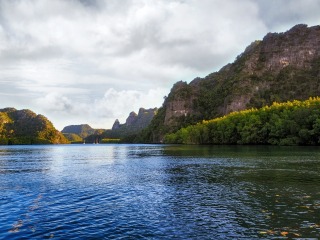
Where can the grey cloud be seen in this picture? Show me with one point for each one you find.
(281, 14)
(85, 47)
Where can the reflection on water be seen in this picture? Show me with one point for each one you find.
(159, 191)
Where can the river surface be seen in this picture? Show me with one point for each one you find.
(116, 191)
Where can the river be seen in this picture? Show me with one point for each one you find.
(120, 191)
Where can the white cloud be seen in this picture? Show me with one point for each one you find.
(58, 104)
(69, 53)
(154, 40)
(102, 113)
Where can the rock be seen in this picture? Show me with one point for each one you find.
(131, 119)
(116, 124)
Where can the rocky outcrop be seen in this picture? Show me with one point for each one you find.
(281, 67)
(131, 119)
(180, 100)
(296, 47)
(147, 111)
(116, 124)
(134, 123)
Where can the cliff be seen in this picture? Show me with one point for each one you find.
(133, 117)
(282, 67)
(134, 123)
(116, 124)
(26, 127)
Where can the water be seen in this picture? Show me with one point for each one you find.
(159, 192)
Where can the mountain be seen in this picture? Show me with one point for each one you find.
(282, 67)
(26, 127)
(134, 123)
(82, 130)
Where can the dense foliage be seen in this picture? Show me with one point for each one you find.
(106, 140)
(290, 123)
(72, 137)
(26, 127)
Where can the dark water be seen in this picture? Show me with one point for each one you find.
(159, 192)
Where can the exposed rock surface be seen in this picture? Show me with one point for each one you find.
(296, 47)
(131, 119)
(147, 111)
(116, 124)
(134, 123)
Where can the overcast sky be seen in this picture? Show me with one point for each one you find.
(92, 61)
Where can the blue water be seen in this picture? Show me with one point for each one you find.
(159, 192)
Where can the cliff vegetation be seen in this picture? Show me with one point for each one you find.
(282, 67)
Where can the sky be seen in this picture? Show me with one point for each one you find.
(94, 61)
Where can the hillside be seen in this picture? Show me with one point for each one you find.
(134, 123)
(282, 67)
(26, 127)
(82, 130)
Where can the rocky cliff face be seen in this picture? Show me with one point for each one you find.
(131, 119)
(178, 105)
(143, 111)
(296, 48)
(116, 124)
(281, 67)
(134, 123)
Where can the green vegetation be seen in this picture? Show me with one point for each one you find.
(20, 127)
(106, 140)
(82, 130)
(72, 137)
(290, 123)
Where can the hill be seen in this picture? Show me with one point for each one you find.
(72, 137)
(282, 67)
(82, 130)
(26, 127)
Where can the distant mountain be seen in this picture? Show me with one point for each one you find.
(82, 130)
(26, 127)
(134, 123)
(282, 67)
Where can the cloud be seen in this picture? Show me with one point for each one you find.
(56, 103)
(89, 56)
(154, 40)
(281, 15)
(114, 104)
